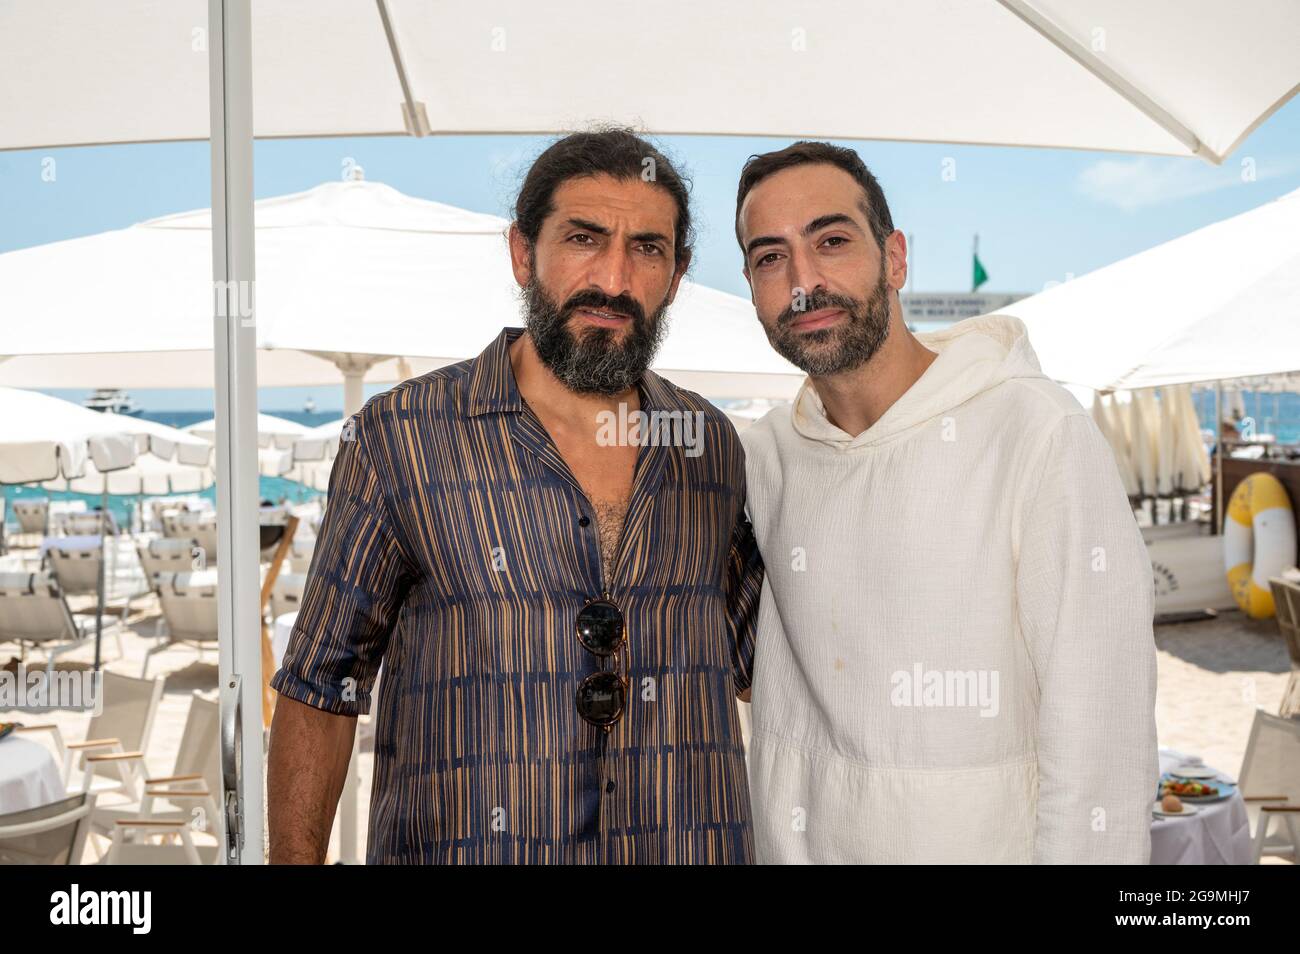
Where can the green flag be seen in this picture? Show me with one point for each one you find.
(980, 276)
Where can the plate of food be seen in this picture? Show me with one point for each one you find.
(1195, 790)
(1171, 806)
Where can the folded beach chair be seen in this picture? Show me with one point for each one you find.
(1270, 784)
(189, 609)
(34, 613)
(52, 834)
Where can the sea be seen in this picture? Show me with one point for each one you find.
(271, 488)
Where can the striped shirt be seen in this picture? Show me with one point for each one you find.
(457, 549)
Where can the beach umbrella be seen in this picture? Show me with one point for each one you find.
(1167, 77)
(147, 475)
(163, 441)
(325, 257)
(43, 438)
(1144, 430)
(272, 431)
(1141, 323)
(1192, 467)
(1105, 414)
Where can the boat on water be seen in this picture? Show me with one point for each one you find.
(112, 399)
(309, 406)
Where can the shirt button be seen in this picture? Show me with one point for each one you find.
(609, 786)
(583, 520)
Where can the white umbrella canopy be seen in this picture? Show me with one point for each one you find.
(272, 431)
(320, 443)
(1221, 302)
(164, 442)
(44, 438)
(351, 275)
(1170, 77)
(147, 475)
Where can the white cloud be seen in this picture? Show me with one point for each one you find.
(1131, 184)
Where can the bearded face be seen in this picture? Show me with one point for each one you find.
(589, 359)
(840, 347)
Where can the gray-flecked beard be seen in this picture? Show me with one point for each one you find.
(854, 342)
(593, 361)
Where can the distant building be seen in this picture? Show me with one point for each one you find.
(925, 311)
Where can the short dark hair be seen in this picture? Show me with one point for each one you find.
(609, 150)
(759, 167)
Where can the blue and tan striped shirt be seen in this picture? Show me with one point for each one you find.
(457, 549)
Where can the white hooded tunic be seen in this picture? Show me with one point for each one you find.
(955, 660)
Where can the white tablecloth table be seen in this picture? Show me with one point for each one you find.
(1218, 834)
(29, 775)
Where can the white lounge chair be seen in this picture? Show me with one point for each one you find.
(82, 524)
(109, 759)
(164, 555)
(192, 793)
(199, 527)
(189, 609)
(34, 613)
(75, 563)
(33, 515)
(1270, 784)
(181, 851)
(51, 834)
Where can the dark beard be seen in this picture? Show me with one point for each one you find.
(594, 361)
(851, 343)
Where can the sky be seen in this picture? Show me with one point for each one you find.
(1042, 215)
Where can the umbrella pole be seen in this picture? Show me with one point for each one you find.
(103, 559)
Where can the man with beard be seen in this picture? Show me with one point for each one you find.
(955, 659)
(563, 619)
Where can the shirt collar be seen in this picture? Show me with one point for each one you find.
(492, 386)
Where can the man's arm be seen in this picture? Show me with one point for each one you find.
(308, 761)
(355, 591)
(1085, 595)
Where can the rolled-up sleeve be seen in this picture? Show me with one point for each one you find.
(1085, 594)
(354, 593)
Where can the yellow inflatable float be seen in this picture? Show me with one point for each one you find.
(1259, 541)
